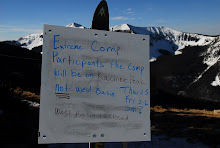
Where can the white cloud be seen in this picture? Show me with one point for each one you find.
(128, 15)
(26, 30)
(128, 11)
(5, 26)
(14, 29)
(121, 18)
(14, 32)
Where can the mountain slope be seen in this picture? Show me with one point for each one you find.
(181, 63)
(194, 73)
(165, 40)
(34, 40)
(187, 64)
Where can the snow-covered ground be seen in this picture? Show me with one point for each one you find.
(156, 142)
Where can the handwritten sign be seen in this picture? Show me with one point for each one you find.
(95, 86)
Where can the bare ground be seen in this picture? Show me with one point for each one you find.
(194, 124)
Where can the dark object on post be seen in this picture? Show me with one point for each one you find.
(101, 17)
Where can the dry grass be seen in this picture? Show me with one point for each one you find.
(26, 94)
(187, 112)
(193, 124)
(158, 109)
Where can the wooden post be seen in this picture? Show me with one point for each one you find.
(125, 145)
(100, 21)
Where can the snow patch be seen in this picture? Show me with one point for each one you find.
(200, 76)
(31, 104)
(178, 52)
(216, 82)
(123, 27)
(212, 55)
(32, 40)
(75, 25)
(153, 59)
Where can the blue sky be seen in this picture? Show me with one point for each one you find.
(19, 18)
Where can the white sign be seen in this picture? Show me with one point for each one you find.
(95, 86)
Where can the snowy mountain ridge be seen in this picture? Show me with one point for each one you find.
(75, 25)
(190, 65)
(34, 40)
(164, 38)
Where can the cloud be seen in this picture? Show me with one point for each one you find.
(14, 32)
(26, 30)
(128, 11)
(128, 15)
(4, 28)
(120, 18)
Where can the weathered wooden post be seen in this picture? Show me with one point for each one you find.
(100, 21)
